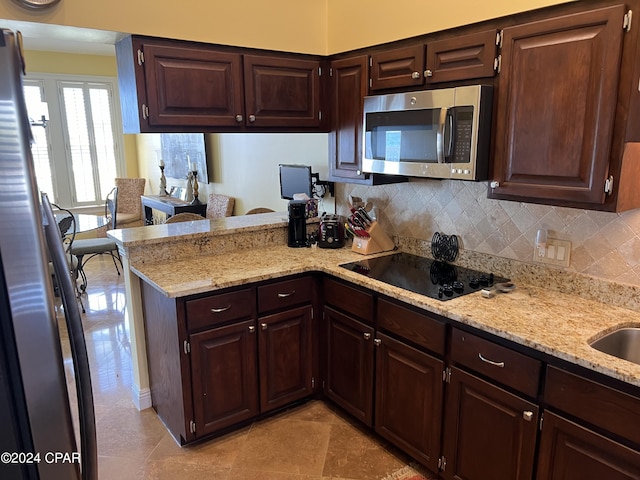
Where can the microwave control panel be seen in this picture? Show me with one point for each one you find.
(463, 121)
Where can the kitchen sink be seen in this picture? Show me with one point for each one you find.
(622, 343)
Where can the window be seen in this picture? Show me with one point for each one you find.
(78, 154)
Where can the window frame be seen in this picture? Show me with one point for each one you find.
(62, 173)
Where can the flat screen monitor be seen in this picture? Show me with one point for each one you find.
(295, 179)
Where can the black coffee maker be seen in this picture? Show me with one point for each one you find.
(297, 223)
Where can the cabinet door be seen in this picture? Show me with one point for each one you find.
(556, 103)
(489, 432)
(462, 57)
(571, 452)
(191, 87)
(282, 92)
(285, 343)
(349, 376)
(401, 67)
(409, 399)
(224, 376)
(349, 87)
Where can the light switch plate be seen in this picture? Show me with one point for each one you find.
(558, 253)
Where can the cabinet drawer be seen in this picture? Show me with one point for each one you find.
(499, 363)
(412, 326)
(218, 309)
(284, 294)
(349, 299)
(602, 406)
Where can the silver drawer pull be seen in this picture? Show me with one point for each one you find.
(286, 294)
(264, 326)
(490, 362)
(527, 415)
(220, 310)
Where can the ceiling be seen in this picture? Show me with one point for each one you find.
(58, 38)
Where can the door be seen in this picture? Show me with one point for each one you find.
(282, 92)
(409, 399)
(556, 104)
(400, 67)
(349, 87)
(224, 376)
(461, 57)
(489, 432)
(286, 357)
(349, 376)
(571, 452)
(191, 87)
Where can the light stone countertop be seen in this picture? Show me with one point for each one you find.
(554, 323)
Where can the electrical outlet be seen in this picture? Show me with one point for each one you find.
(557, 252)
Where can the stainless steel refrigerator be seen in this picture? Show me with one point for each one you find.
(37, 439)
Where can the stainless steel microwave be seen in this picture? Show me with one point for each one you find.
(442, 133)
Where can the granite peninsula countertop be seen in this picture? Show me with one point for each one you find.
(551, 322)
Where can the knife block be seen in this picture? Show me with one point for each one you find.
(377, 241)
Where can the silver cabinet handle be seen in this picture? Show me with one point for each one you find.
(415, 75)
(252, 118)
(252, 329)
(491, 362)
(428, 73)
(367, 336)
(377, 342)
(220, 310)
(264, 326)
(239, 118)
(527, 415)
(286, 294)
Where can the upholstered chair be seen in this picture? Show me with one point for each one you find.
(184, 217)
(219, 206)
(129, 205)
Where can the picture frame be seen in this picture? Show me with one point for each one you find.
(179, 151)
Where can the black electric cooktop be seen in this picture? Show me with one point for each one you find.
(431, 278)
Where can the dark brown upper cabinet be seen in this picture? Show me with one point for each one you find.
(462, 57)
(172, 86)
(562, 112)
(400, 67)
(281, 92)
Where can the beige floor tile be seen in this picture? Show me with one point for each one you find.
(352, 453)
(126, 432)
(176, 470)
(219, 452)
(119, 468)
(285, 446)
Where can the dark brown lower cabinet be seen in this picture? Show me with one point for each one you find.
(489, 433)
(224, 376)
(349, 376)
(409, 399)
(569, 451)
(285, 353)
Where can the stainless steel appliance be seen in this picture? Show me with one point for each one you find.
(38, 439)
(442, 133)
(432, 278)
(331, 232)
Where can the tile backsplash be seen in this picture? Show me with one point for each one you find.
(603, 245)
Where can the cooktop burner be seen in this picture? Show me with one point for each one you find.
(421, 275)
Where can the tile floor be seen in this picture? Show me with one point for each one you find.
(310, 442)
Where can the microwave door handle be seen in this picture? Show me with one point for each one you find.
(448, 133)
(440, 136)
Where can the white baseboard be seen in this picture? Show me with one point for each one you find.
(141, 398)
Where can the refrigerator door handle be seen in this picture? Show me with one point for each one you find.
(88, 447)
